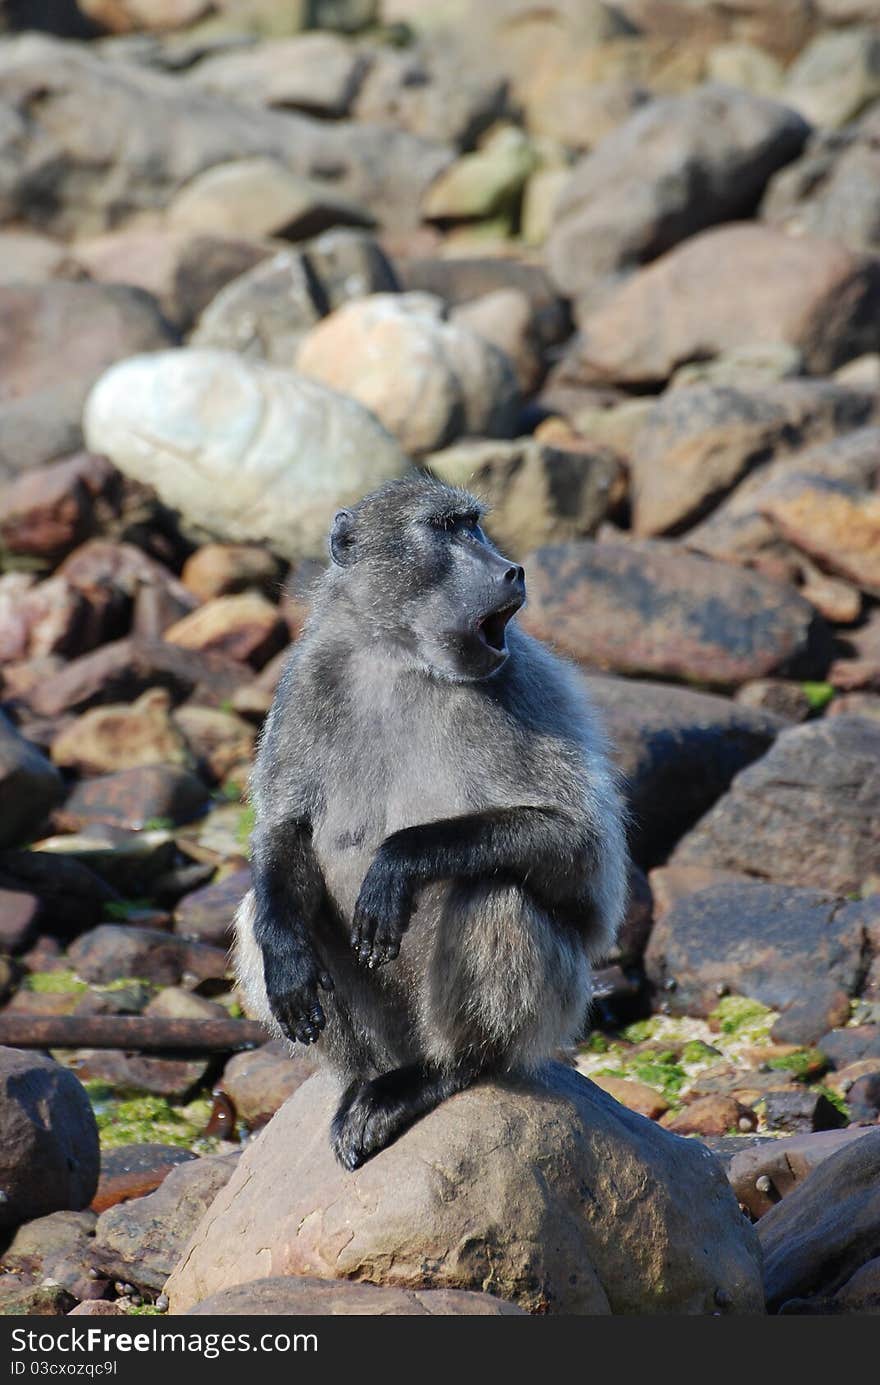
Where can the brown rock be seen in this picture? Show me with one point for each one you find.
(220, 742)
(178, 1079)
(26, 257)
(760, 1175)
(47, 511)
(126, 668)
(783, 699)
(206, 914)
(140, 1241)
(111, 951)
(175, 1003)
(514, 1164)
(335, 1298)
(44, 380)
(106, 739)
(222, 569)
(807, 813)
(19, 913)
(671, 883)
(97, 1308)
(636, 1096)
(134, 798)
(245, 626)
(134, 1171)
(711, 1115)
(814, 295)
(841, 531)
(319, 73)
(19, 1299)
(649, 608)
(38, 619)
(800, 1110)
(259, 1082)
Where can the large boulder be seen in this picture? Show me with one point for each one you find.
(807, 813)
(736, 286)
(56, 339)
(49, 1155)
(245, 451)
(678, 165)
(549, 1194)
(428, 380)
(678, 750)
(833, 189)
(649, 608)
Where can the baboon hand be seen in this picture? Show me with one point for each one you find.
(293, 999)
(381, 914)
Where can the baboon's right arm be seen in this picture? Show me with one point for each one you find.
(288, 890)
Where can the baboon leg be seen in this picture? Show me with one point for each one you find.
(372, 1114)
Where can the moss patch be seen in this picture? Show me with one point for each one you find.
(736, 1013)
(145, 1119)
(54, 983)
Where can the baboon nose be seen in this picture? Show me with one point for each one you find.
(515, 574)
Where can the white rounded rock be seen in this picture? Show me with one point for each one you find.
(245, 451)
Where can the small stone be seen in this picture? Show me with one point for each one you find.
(260, 197)
(218, 569)
(146, 796)
(244, 626)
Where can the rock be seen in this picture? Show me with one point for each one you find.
(26, 257)
(678, 165)
(823, 777)
(821, 1004)
(206, 915)
(712, 1115)
(266, 313)
(537, 492)
(124, 16)
(44, 385)
(750, 938)
(697, 443)
(484, 183)
(178, 1079)
(124, 669)
(113, 577)
(174, 1003)
(636, 1096)
(863, 1097)
(439, 90)
(831, 191)
(775, 695)
(55, 1248)
(170, 133)
(106, 739)
(815, 1239)
(744, 65)
(762, 1174)
(258, 197)
(650, 608)
(800, 1111)
(317, 73)
(850, 1045)
(47, 511)
(135, 798)
(244, 626)
(744, 367)
(30, 786)
(329, 1298)
(840, 530)
(183, 270)
(489, 1204)
(274, 487)
(133, 1171)
(835, 77)
(49, 1144)
(259, 1082)
(505, 319)
(111, 951)
(140, 1241)
(71, 896)
(40, 619)
(97, 1308)
(427, 380)
(19, 914)
(816, 296)
(677, 750)
(220, 569)
(221, 743)
(739, 530)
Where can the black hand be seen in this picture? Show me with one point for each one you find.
(382, 913)
(292, 988)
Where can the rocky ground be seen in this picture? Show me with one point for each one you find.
(615, 266)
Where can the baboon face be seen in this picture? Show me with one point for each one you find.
(422, 572)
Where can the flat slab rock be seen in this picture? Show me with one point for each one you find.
(547, 1193)
(324, 1298)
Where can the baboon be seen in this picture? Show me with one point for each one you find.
(439, 850)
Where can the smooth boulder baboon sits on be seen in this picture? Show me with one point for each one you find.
(438, 852)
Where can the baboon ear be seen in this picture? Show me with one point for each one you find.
(342, 545)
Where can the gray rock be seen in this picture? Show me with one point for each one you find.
(49, 1153)
(303, 1297)
(111, 951)
(808, 813)
(30, 786)
(550, 1193)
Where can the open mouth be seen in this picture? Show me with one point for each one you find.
(492, 628)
